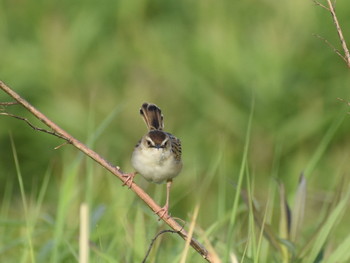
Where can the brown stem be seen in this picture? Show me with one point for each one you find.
(115, 170)
(331, 9)
(340, 33)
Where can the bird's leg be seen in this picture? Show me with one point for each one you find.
(165, 209)
(129, 179)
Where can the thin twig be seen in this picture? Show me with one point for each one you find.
(342, 100)
(321, 5)
(331, 46)
(346, 102)
(8, 103)
(59, 146)
(34, 127)
(115, 170)
(153, 240)
(340, 33)
(331, 9)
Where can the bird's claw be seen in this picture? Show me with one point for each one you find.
(163, 212)
(129, 179)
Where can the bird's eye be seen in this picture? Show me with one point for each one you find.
(149, 143)
(165, 143)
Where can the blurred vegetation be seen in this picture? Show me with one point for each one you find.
(90, 65)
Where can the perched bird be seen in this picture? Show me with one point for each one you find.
(157, 155)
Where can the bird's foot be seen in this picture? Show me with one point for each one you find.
(163, 212)
(129, 178)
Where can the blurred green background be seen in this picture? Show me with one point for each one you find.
(204, 63)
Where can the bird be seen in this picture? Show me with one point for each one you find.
(157, 155)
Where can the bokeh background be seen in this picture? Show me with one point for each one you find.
(89, 65)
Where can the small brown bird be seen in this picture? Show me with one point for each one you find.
(157, 156)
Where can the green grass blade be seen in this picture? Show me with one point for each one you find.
(66, 194)
(298, 209)
(284, 223)
(252, 246)
(140, 242)
(239, 186)
(326, 228)
(324, 144)
(341, 253)
(104, 124)
(25, 205)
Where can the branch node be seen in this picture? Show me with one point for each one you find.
(321, 5)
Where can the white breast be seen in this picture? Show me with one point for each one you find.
(155, 165)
